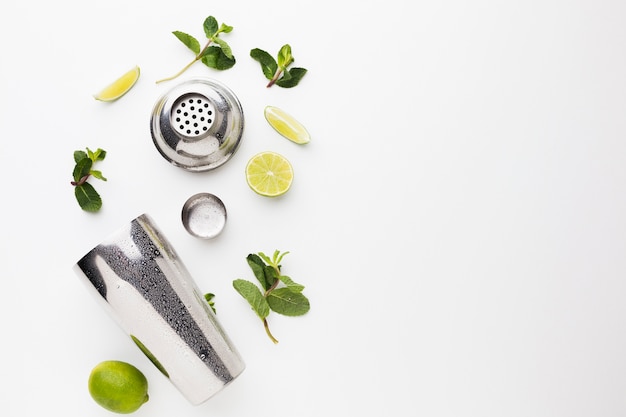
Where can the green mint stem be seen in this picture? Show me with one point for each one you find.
(186, 67)
(267, 330)
(179, 72)
(269, 290)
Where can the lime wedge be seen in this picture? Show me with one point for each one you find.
(119, 87)
(269, 174)
(286, 125)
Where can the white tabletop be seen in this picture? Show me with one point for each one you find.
(457, 218)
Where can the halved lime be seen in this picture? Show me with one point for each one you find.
(269, 174)
(120, 86)
(287, 125)
(118, 386)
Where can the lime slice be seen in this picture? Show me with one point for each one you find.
(118, 386)
(119, 87)
(286, 125)
(269, 174)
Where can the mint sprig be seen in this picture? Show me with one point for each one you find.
(209, 299)
(87, 197)
(278, 293)
(216, 53)
(276, 70)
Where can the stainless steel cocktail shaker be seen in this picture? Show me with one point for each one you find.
(139, 279)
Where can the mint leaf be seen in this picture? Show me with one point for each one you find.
(266, 258)
(210, 26)
(288, 303)
(253, 295)
(99, 155)
(189, 41)
(258, 268)
(284, 56)
(278, 257)
(209, 299)
(97, 174)
(291, 77)
(215, 54)
(268, 63)
(224, 28)
(225, 48)
(289, 283)
(287, 299)
(274, 261)
(78, 155)
(214, 57)
(87, 197)
(149, 355)
(271, 275)
(276, 70)
(81, 169)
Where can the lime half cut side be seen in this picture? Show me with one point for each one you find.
(119, 87)
(269, 174)
(287, 125)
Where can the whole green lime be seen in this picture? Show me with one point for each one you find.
(118, 386)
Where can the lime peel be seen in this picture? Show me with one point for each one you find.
(286, 125)
(119, 87)
(118, 386)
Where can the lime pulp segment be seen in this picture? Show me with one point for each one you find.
(119, 87)
(269, 174)
(286, 125)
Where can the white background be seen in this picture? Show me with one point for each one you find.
(458, 218)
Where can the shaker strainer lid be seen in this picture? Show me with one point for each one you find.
(197, 125)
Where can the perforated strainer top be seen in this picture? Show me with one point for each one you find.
(192, 115)
(197, 125)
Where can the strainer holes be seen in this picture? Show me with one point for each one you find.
(190, 114)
